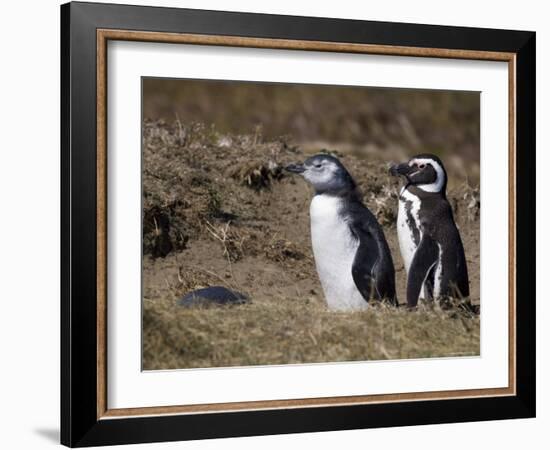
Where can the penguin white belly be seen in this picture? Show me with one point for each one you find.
(405, 230)
(438, 275)
(334, 249)
(407, 221)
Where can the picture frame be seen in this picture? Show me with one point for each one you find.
(86, 418)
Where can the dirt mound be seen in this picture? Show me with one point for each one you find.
(218, 209)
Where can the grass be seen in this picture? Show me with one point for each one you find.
(299, 330)
(219, 210)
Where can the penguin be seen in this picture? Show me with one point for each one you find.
(429, 239)
(351, 254)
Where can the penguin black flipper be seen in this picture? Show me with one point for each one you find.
(372, 270)
(422, 266)
(363, 269)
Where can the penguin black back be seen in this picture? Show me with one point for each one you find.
(373, 270)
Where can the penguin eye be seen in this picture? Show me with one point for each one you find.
(317, 165)
(421, 166)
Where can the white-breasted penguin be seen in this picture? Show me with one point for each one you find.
(429, 239)
(352, 256)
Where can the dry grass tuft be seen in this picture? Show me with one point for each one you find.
(257, 174)
(299, 330)
(231, 241)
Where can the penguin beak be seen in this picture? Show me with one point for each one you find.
(295, 168)
(400, 169)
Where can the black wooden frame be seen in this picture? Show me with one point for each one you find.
(79, 423)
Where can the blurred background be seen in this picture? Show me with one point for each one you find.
(356, 119)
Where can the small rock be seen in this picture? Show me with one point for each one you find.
(212, 296)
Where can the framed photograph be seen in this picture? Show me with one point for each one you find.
(276, 224)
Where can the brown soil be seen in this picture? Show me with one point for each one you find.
(219, 210)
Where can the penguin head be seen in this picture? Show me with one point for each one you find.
(325, 173)
(424, 171)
